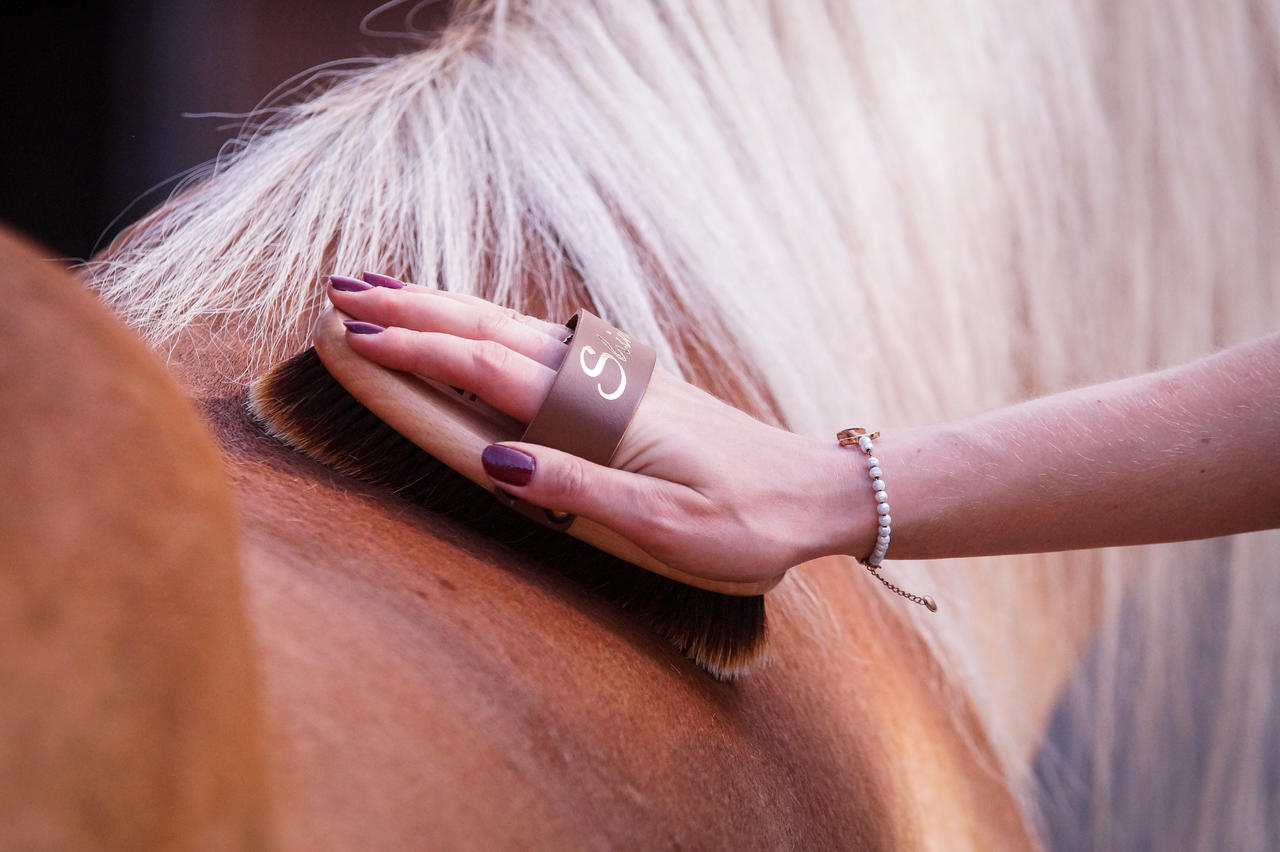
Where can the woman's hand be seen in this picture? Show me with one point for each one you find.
(697, 484)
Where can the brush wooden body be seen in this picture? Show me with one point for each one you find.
(302, 403)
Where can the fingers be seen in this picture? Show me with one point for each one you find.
(506, 358)
(376, 300)
(552, 329)
(636, 506)
(510, 382)
(509, 360)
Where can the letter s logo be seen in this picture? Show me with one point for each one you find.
(599, 368)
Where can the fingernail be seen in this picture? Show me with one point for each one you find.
(358, 327)
(507, 465)
(377, 279)
(348, 285)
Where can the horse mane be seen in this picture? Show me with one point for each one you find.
(827, 216)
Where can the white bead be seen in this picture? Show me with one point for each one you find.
(880, 490)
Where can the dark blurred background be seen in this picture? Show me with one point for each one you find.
(95, 93)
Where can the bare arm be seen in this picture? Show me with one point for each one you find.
(1189, 452)
(1185, 453)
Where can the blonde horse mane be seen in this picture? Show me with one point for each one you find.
(895, 218)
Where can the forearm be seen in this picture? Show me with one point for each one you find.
(1190, 452)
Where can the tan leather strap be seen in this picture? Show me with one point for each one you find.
(592, 400)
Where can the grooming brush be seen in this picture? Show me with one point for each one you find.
(300, 402)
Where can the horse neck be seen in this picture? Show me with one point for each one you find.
(436, 660)
(500, 665)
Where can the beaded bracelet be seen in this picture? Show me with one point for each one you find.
(859, 437)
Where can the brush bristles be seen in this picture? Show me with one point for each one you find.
(300, 403)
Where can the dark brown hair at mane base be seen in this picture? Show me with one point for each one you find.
(300, 403)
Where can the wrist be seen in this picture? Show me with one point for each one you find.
(845, 508)
(929, 471)
(918, 484)
(920, 471)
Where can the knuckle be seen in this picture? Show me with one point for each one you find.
(662, 509)
(413, 353)
(571, 480)
(506, 314)
(490, 358)
(489, 325)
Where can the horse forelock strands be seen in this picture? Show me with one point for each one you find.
(891, 222)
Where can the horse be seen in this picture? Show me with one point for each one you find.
(997, 204)
(409, 685)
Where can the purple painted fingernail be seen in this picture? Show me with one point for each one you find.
(377, 279)
(358, 327)
(348, 285)
(507, 465)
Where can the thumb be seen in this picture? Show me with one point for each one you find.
(562, 482)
